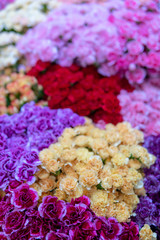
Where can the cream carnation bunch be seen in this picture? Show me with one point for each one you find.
(105, 165)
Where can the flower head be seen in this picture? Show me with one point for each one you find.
(24, 197)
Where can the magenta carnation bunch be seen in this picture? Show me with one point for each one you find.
(22, 218)
(24, 134)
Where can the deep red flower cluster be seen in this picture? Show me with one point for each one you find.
(82, 89)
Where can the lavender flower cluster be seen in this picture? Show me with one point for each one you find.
(117, 36)
(23, 135)
(21, 218)
(148, 210)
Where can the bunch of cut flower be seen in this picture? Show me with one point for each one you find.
(16, 19)
(81, 89)
(118, 36)
(21, 217)
(148, 210)
(24, 134)
(105, 165)
(18, 89)
(142, 108)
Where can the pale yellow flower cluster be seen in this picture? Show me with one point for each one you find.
(20, 16)
(147, 234)
(105, 165)
(17, 89)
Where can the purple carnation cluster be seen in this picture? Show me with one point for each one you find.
(23, 135)
(21, 218)
(148, 210)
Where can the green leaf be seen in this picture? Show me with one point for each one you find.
(104, 161)
(43, 71)
(89, 149)
(57, 173)
(18, 95)
(72, 84)
(45, 8)
(35, 87)
(8, 100)
(146, 49)
(99, 186)
(130, 39)
(138, 22)
(139, 159)
(131, 156)
(38, 92)
(11, 30)
(15, 66)
(96, 64)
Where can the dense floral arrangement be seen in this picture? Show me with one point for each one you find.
(63, 176)
(120, 36)
(81, 89)
(104, 165)
(22, 218)
(16, 90)
(142, 108)
(24, 134)
(148, 210)
(16, 18)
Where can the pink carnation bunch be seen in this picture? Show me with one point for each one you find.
(142, 108)
(117, 36)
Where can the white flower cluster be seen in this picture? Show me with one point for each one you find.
(25, 13)
(15, 20)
